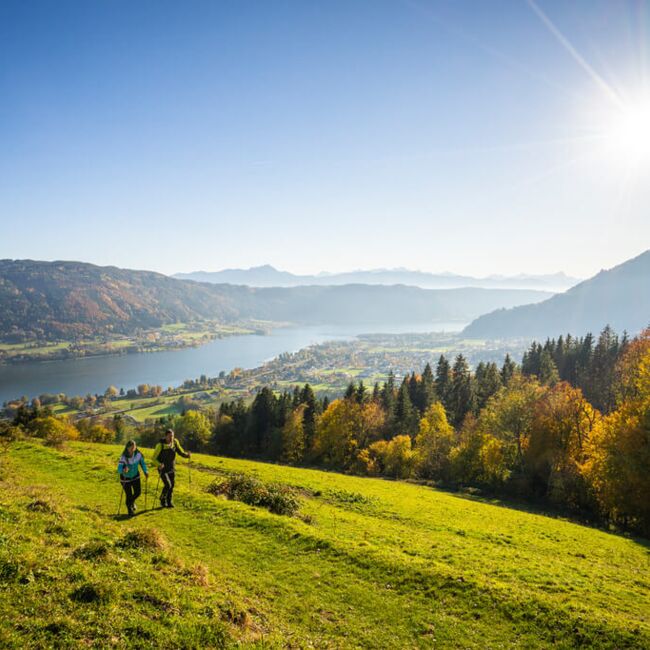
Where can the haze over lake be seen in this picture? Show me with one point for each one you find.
(95, 374)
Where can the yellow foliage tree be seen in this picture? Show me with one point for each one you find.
(55, 431)
(557, 445)
(433, 443)
(394, 457)
(337, 432)
(293, 436)
(618, 464)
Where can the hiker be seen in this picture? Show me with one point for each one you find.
(165, 456)
(128, 469)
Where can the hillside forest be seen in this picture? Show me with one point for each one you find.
(569, 427)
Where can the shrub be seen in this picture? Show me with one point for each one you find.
(146, 538)
(278, 499)
(54, 430)
(94, 432)
(40, 505)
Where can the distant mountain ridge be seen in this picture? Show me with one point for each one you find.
(268, 276)
(68, 300)
(619, 297)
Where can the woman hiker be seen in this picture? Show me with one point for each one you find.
(128, 469)
(165, 456)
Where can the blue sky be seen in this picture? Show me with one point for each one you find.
(451, 135)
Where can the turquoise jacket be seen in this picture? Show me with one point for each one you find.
(132, 463)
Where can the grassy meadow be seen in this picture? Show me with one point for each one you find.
(365, 563)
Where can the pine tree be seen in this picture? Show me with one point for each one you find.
(507, 370)
(308, 398)
(360, 393)
(427, 389)
(406, 418)
(388, 397)
(462, 391)
(443, 382)
(548, 374)
(488, 382)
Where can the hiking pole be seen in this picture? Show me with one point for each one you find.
(146, 490)
(157, 483)
(120, 506)
(189, 471)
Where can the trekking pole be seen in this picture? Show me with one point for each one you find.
(121, 496)
(157, 483)
(189, 471)
(146, 490)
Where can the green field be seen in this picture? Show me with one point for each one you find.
(367, 563)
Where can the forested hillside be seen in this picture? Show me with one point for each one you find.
(67, 300)
(619, 296)
(569, 427)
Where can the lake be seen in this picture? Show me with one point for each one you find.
(171, 368)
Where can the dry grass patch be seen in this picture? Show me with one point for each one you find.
(150, 539)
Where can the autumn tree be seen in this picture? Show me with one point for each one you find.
(556, 445)
(335, 441)
(433, 443)
(293, 436)
(618, 464)
(193, 429)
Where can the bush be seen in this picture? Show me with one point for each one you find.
(278, 499)
(146, 538)
(94, 432)
(54, 430)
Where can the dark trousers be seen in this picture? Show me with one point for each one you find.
(168, 479)
(132, 489)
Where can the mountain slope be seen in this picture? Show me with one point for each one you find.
(267, 276)
(64, 300)
(72, 299)
(373, 304)
(619, 297)
(368, 563)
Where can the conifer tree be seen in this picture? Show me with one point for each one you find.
(462, 391)
(443, 382)
(308, 398)
(507, 370)
(406, 417)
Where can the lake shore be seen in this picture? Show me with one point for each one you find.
(175, 336)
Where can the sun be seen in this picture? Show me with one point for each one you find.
(628, 135)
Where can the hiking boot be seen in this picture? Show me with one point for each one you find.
(170, 504)
(163, 503)
(131, 511)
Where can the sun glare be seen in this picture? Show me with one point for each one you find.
(629, 133)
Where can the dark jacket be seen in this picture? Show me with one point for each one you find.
(165, 454)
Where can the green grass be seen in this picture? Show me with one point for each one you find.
(366, 563)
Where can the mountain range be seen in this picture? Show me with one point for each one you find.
(68, 300)
(619, 297)
(268, 276)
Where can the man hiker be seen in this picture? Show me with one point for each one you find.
(128, 469)
(165, 456)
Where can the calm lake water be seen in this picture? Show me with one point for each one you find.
(95, 374)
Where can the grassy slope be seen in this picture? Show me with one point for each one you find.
(382, 564)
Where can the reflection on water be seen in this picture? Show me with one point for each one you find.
(95, 374)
